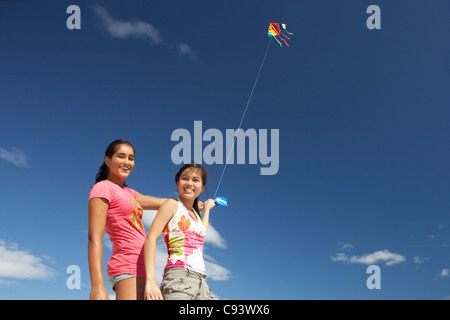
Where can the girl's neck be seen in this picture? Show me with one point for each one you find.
(117, 181)
(189, 204)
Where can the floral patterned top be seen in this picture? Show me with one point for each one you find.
(184, 236)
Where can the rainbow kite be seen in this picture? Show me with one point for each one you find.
(275, 32)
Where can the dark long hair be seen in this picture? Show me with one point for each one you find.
(103, 171)
(204, 175)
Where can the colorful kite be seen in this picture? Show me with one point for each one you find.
(275, 32)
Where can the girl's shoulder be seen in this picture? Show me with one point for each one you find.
(170, 204)
(103, 189)
(168, 210)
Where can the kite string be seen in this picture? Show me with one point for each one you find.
(242, 118)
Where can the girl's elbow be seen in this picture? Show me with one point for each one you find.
(93, 241)
(149, 240)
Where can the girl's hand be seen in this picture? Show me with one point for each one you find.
(152, 291)
(99, 293)
(209, 204)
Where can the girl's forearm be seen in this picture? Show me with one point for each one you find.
(153, 203)
(95, 257)
(205, 218)
(149, 259)
(149, 202)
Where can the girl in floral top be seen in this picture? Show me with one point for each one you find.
(184, 232)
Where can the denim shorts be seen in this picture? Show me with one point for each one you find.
(114, 279)
(184, 284)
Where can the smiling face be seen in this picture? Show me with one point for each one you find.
(120, 164)
(190, 184)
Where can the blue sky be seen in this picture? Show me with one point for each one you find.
(363, 119)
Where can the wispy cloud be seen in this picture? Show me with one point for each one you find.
(339, 257)
(185, 50)
(125, 29)
(419, 260)
(439, 232)
(15, 156)
(348, 247)
(342, 256)
(140, 29)
(16, 263)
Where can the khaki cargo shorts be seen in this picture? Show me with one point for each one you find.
(184, 284)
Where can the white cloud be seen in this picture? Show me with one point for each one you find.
(372, 258)
(15, 156)
(147, 218)
(445, 273)
(378, 256)
(21, 264)
(216, 272)
(139, 29)
(106, 241)
(214, 238)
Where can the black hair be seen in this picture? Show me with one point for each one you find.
(204, 174)
(103, 171)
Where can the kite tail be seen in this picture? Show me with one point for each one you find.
(284, 27)
(278, 41)
(284, 42)
(285, 36)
